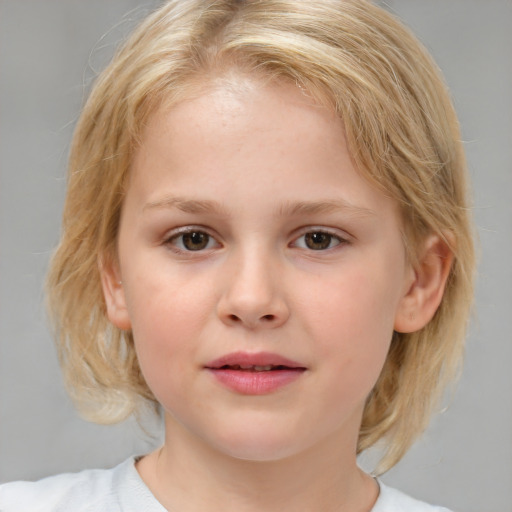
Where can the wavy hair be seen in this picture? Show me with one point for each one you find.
(403, 135)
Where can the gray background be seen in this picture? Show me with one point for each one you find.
(49, 51)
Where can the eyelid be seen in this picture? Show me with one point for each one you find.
(169, 237)
(342, 236)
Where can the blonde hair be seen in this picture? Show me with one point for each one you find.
(403, 135)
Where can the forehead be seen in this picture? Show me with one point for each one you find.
(235, 100)
(244, 130)
(232, 113)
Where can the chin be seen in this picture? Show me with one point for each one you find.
(258, 446)
(261, 454)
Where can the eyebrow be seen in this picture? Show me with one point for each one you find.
(327, 206)
(188, 205)
(292, 208)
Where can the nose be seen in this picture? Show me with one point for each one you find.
(253, 295)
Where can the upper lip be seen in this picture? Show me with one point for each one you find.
(253, 359)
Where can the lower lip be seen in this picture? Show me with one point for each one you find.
(256, 383)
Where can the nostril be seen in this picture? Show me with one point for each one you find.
(252, 321)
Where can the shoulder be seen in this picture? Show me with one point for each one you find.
(74, 492)
(97, 490)
(392, 500)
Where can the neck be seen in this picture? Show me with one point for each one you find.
(190, 476)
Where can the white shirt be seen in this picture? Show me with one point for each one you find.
(121, 489)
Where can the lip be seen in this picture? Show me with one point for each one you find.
(229, 371)
(253, 359)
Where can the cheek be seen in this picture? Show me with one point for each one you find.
(352, 320)
(359, 303)
(165, 302)
(167, 316)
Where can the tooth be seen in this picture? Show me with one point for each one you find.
(243, 366)
(263, 368)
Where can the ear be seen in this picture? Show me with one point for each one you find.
(426, 287)
(114, 293)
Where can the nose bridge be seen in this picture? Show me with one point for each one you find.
(254, 294)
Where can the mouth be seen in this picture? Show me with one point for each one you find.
(255, 374)
(254, 362)
(257, 368)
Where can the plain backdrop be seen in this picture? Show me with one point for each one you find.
(49, 52)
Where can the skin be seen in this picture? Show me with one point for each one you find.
(258, 169)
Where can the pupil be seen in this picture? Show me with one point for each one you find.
(195, 241)
(317, 241)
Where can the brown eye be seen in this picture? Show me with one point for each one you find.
(195, 240)
(318, 240)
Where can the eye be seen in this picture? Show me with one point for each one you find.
(318, 241)
(192, 240)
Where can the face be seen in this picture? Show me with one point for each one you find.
(262, 276)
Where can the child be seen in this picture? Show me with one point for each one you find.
(266, 236)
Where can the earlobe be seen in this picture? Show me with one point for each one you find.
(114, 294)
(423, 296)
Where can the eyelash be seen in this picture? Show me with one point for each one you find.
(180, 247)
(171, 241)
(317, 231)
